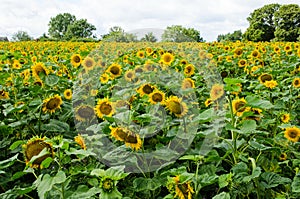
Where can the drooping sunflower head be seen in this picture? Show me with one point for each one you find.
(157, 96)
(217, 91)
(51, 104)
(146, 89)
(189, 70)
(239, 106)
(296, 82)
(79, 140)
(68, 94)
(115, 70)
(104, 107)
(292, 133)
(33, 147)
(39, 68)
(130, 138)
(84, 113)
(265, 77)
(187, 83)
(183, 190)
(167, 58)
(88, 63)
(285, 117)
(176, 106)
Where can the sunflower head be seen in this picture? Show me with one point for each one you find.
(130, 138)
(285, 117)
(88, 63)
(33, 147)
(296, 82)
(38, 69)
(76, 60)
(282, 156)
(107, 185)
(176, 106)
(208, 102)
(51, 104)
(239, 106)
(68, 94)
(183, 190)
(242, 63)
(4, 95)
(271, 84)
(157, 96)
(292, 133)
(265, 77)
(140, 54)
(146, 89)
(167, 58)
(130, 75)
(189, 70)
(217, 91)
(187, 83)
(238, 51)
(115, 70)
(79, 140)
(104, 107)
(84, 113)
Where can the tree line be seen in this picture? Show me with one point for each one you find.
(272, 22)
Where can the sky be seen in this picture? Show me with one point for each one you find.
(210, 17)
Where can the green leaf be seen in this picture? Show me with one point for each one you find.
(206, 115)
(46, 163)
(271, 180)
(222, 195)
(296, 183)
(232, 80)
(256, 172)
(56, 126)
(8, 162)
(248, 126)
(16, 144)
(254, 101)
(51, 80)
(83, 192)
(224, 180)
(141, 184)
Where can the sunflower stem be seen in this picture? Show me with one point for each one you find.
(233, 134)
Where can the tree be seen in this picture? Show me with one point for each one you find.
(235, 36)
(21, 36)
(287, 21)
(80, 29)
(117, 34)
(178, 33)
(149, 37)
(58, 25)
(262, 25)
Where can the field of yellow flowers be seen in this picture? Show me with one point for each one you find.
(149, 120)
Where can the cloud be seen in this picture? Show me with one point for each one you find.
(210, 17)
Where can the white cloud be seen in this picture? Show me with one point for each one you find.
(210, 17)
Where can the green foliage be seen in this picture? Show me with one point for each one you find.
(235, 36)
(178, 33)
(117, 34)
(80, 29)
(21, 36)
(149, 37)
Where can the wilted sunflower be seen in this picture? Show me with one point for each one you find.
(187, 83)
(88, 63)
(129, 75)
(145, 89)
(285, 117)
(104, 107)
(292, 133)
(189, 70)
(79, 140)
(4, 95)
(39, 68)
(239, 106)
(68, 94)
(156, 96)
(176, 106)
(84, 113)
(183, 190)
(33, 147)
(51, 104)
(76, 60)
(216, 92)
(265, 77)
(271, 84)
(296, 82)
(167, 58)
(115, 70)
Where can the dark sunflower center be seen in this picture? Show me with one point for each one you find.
(265, 78)
(131, 138)
(184, 189)
(89, 63)
(34, 149)
(122, 134)
(129, 75)
(242, 62)
(240, 106)
(175, 107)
(255, 54)
(293, 134)
(297, 82)
(105, 108)
(85, 112)
(76, 59)
(52, 104)
(157, 97)
(115, 70)
(167, 58)
(108, 185)
(188, 69)
(147, 89)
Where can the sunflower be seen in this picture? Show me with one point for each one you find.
(131, 139)
(287, 48)
(115, 70)
(183, 190)
(149, 51)
(283, 157)
(176, 106)
(208, 102)
(276, 49)
(265, 77)
(285, 117)
(271, 84)
(33, 59)
(88, 63)
(17, 65)
(39, 68)
(129, 75)
(51, 104)
(68, 94)
(239, 106)
(292, 133)
(183, 62)
(156, 96)
(167, 58)
(189, 70)
(255, 54)
(33, 147)
(296, 82)
(238, 51)
(4, 95)
(242, 63)
(107, 184)
(76, 60)
(216, 92)
(79, 140)
(256, 114)
(104, 78)
(84, 113)
(104, 107)
(140, 54)
(145, 89)
(187, 83)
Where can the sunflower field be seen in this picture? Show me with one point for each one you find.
(150, 120)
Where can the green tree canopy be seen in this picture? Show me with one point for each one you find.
(149, 37)
(21, 36)
(287, 20)
(80, 29)
(236, 35)
(117, 34)
(178, 33)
